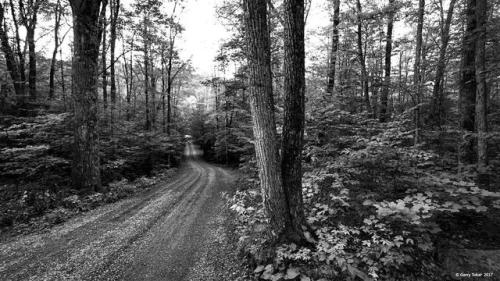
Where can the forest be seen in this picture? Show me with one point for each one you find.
(325, 140)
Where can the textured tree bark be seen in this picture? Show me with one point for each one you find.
(417, 77)
(87, 36)
(294, 118)
(20, 53)
(169, 87)
(384, 112)
(29, 17)
(146, 74)
(131, 78)
(335, 46)
(437, 90)
(262, 107)
(467, 86)
(63, 77)
(362, 61)
(114, 12)
(10, 59)
(57, 23)
(481, 94)
(163, 84)
(30, 21)
(32, 59)
(104, 66)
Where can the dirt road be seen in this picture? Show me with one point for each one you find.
(175, 232)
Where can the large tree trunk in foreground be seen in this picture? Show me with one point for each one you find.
(294, 117)
(262, 106)
(335, 46)
(467, 89)
(481, 93)
(417, 77)
(87, 36)
(384, 111)
(437, 91)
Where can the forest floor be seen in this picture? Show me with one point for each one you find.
(179, 230)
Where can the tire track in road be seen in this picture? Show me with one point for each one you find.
(153, 237)
(54, 246)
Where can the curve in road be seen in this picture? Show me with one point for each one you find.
(156, 236)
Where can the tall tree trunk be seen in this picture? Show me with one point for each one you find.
(384, 112)
(29, 17)
(437, 90)
(114, 12)
(57, 14)
(20, 53)
(361, 57)
(335, 46)
(294, 118)
(32, 58)
(10, 59)
(63, 83)
(169, 86)
(87, 36)
(146, 74)
(417, 77)
(262, 107)
(481, 94)
(467, 89)
(104, 73)
(164, 120)
(153, 94)
(130, 77)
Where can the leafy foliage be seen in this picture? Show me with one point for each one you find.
(35, 167)
(381, 208)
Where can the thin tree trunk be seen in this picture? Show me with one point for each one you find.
(104, 74)
(467, 89)
(20, 53)
(114, 12)
(335, 46)
(361, 57)
(57, 15)
(262, 107)
(87, 36)
(29, 19)
(153, 94)
(131, 78)
(63, 83)
(417, 77)
(384, 112)
(169, 86)
(32, 59)
(10, 59)
(437, 91)
(146, 74)
(481, 94)
(163, 89)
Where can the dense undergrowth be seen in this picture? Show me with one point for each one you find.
(382, 209)
(35, 168)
